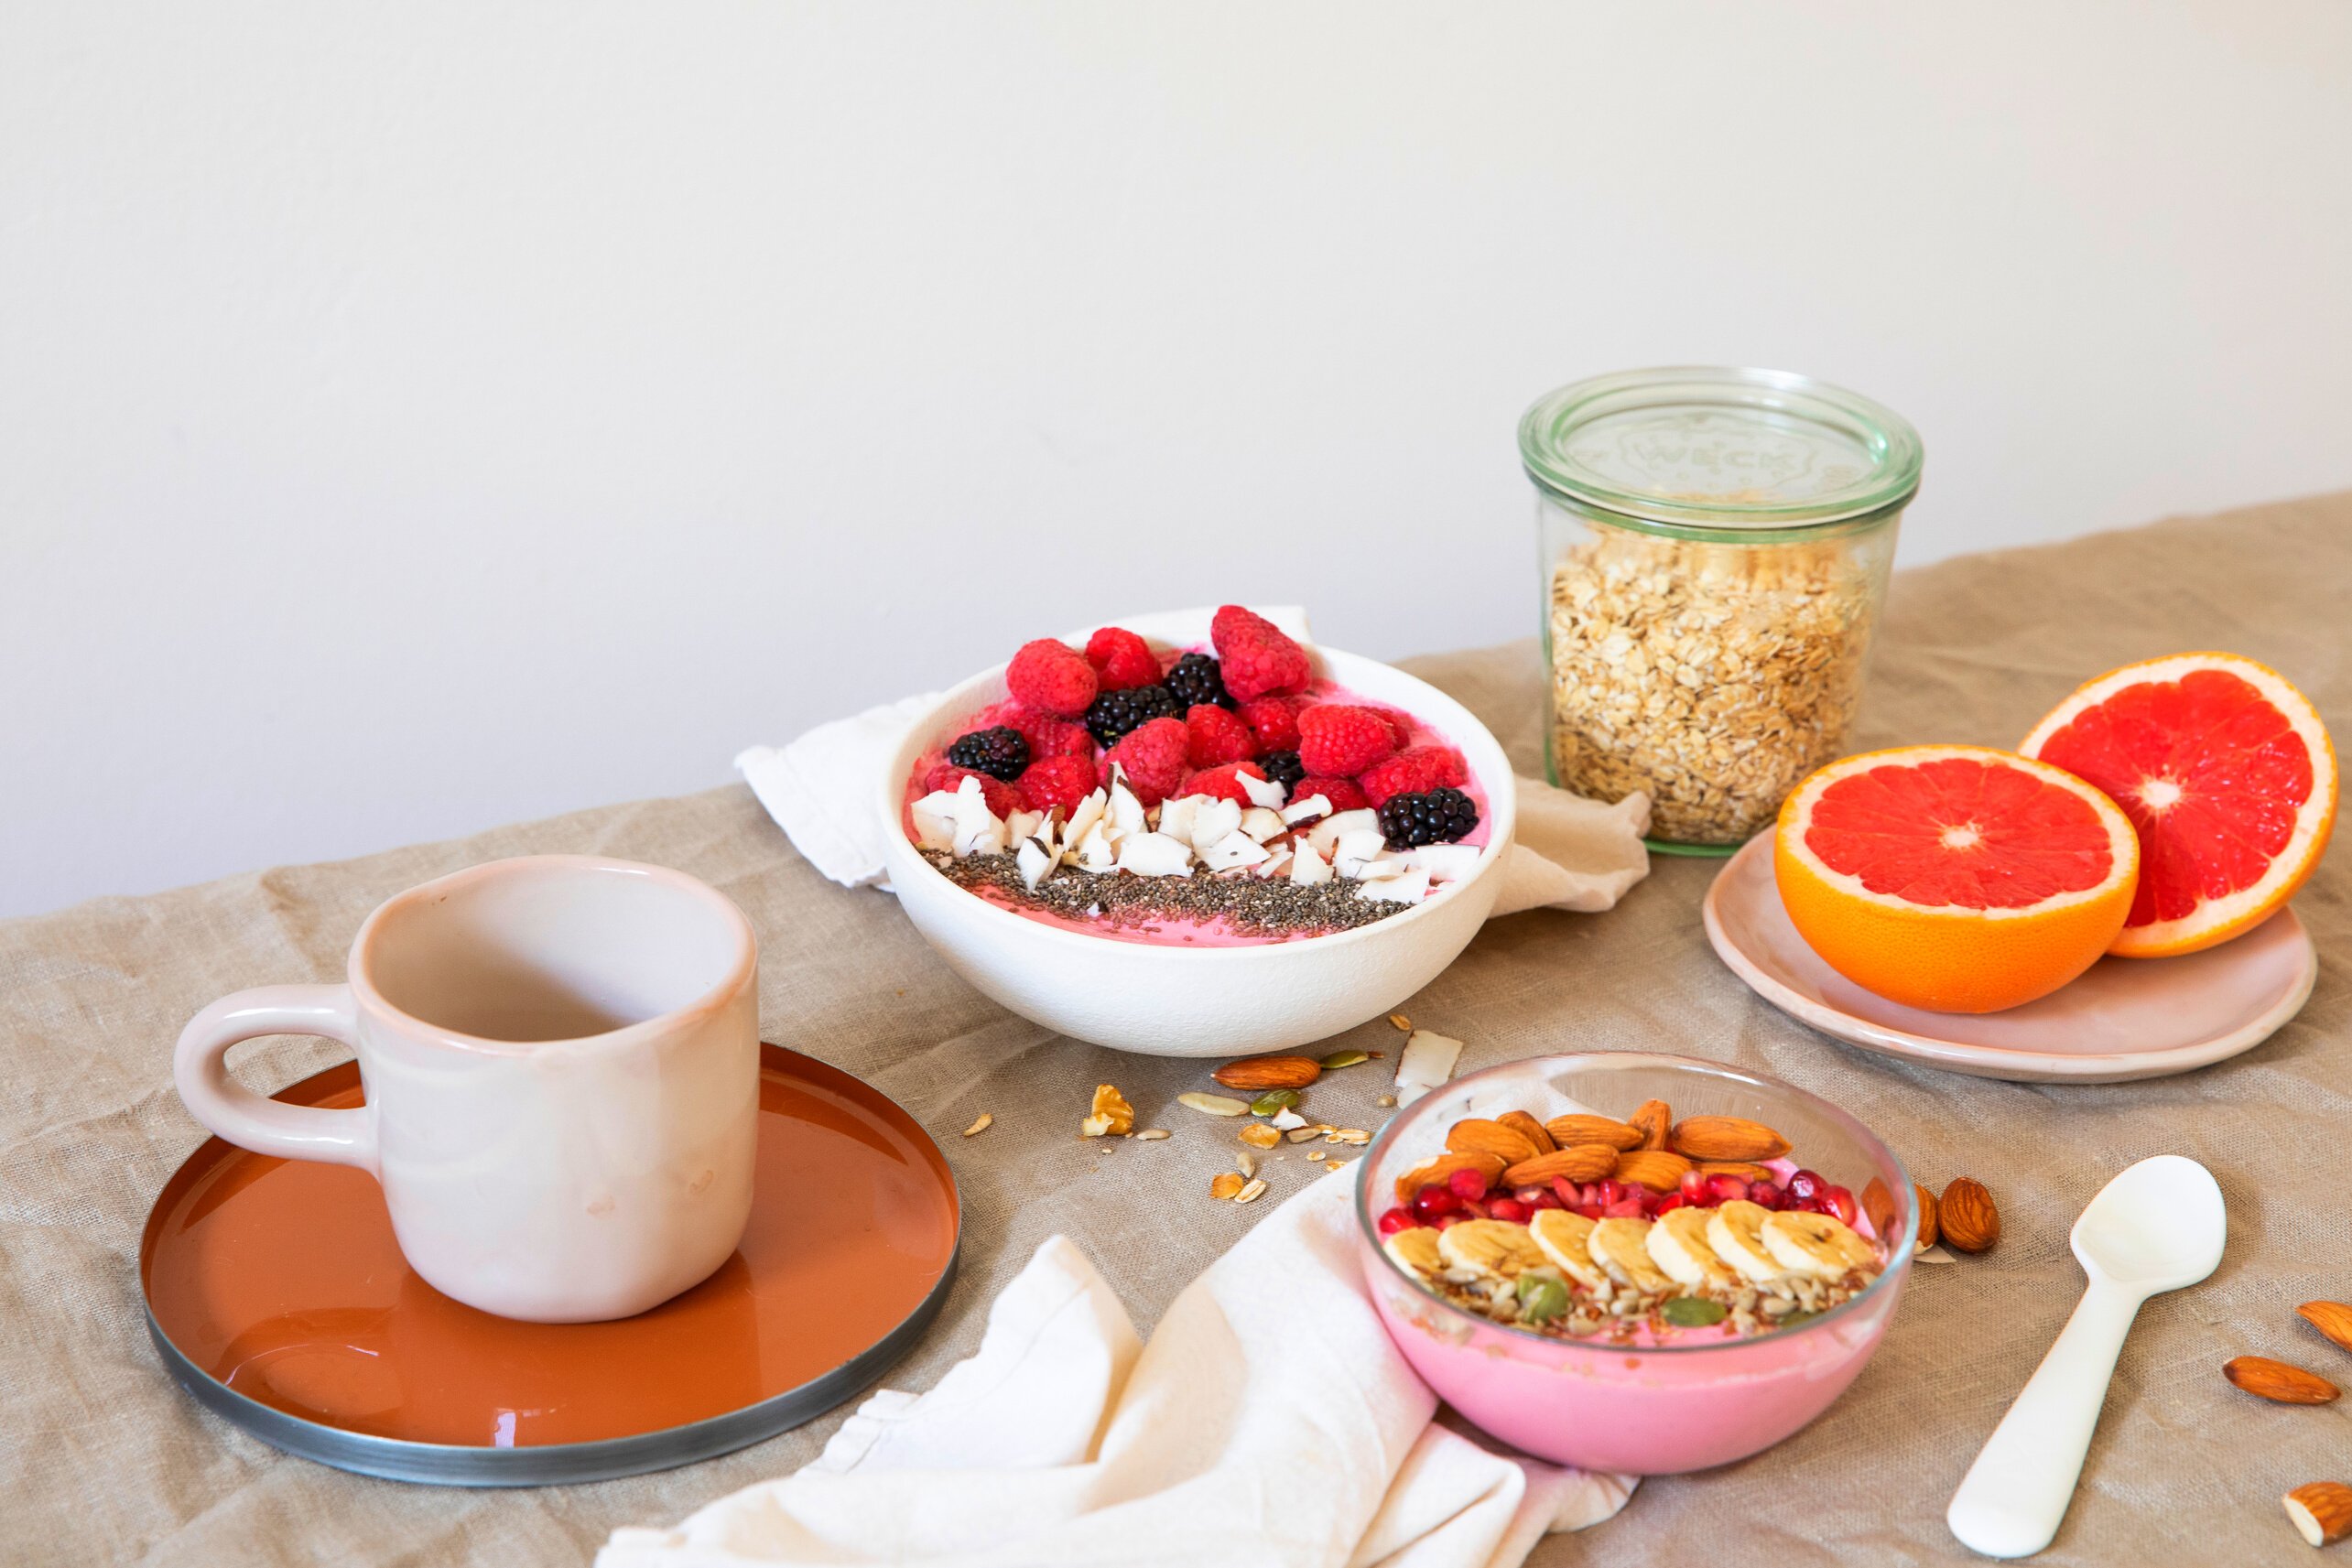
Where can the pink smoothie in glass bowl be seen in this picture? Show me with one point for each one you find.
(1170, 928)
(1701, 1401)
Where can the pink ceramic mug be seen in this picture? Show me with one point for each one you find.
(561, 1062)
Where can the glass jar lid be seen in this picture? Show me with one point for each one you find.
(1708, 449)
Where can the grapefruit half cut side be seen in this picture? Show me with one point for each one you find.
(1957, 879)
(2227, 773)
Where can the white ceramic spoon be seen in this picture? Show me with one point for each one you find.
(2156, 1228)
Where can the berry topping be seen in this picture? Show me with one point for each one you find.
(1197, 679)
(1057, 781)
(1284, 769)
(1114, 713)
(1218, 737)
(1259, 658)
(1002, 798)
(1224, 783)
(1153, 755)
(1122, 660)
(1441, 817)
(1051, 675)
(1342, 794)
(1003, 751)
(1413, 771)
(1275, 721)
(1337, 739)
(1048, 736)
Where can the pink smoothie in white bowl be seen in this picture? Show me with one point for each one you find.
(1645, 1396)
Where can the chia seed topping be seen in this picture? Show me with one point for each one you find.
(1249, 906)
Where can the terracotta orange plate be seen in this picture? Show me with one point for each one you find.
(277, 1295)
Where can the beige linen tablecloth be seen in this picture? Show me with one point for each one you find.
(102, 1459)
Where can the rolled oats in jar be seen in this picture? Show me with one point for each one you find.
(1714, 550)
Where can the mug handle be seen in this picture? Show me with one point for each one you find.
(199, 1065)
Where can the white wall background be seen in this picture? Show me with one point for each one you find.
(414, 416)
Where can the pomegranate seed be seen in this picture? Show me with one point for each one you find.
(1466, 1184)
(1604, 1192)
(1432, 1201)
(1447, 1221)
(1474, 1209)
(1726, 1189)
(1670, 1203)
(1394, 1220)
(1624, 1208)
(1546, 1199)
(1570, 1193)
(1804, 1184)
(1767, 1194)
(1693, 1186)
(1589, 1210)
(1839, 1202)
(1530, 1195)
(1650, 1200)
(1809, 1205)
(1511, 1209)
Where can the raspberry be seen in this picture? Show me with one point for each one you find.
(1153, 755)
(1335, 738)
(1275, 721)
(1224, 783)
(1398, 725)
(1002, 797)
(1414, 770)
(1048, 736)
(1342, 794)
(1051, 675)
(1121, 659)
(1218, 737)
(1258, 658)
(1057, 781)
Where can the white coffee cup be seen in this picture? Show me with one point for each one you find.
(560, 1055)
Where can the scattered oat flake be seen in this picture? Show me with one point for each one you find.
(1248, 1193)
(1258, 1135)
(1151, 1134)
(1314, 1153)
(1226, 1184)
(1385, 1101)
(1112, 1116)
(1401, 1022)
(983, 1125)
(1348, 1135)
(1212, 1105)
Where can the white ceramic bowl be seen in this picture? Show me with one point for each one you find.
(1203, 1002)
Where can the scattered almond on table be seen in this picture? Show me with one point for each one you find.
(2278, 1380)
(2322, 1511)
(2333, 1319)
(1261, 1073)
(1966, 1216)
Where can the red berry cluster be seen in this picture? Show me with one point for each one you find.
(1464, 1194)
(1354, 756)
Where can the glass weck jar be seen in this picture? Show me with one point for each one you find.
(1715, 546)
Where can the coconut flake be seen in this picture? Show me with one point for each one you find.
(1261, 823)
(1444, 862)
(1308, 869)
(1035, 861)
(1357, 854)
(935, 819)
(1232, 852)
(1024, 825)
(1084, 815)
(1175, 817)
(1324, 834)
(1094, 851)
(1155, 855)
(978, 831)
(1307, 810)
(1126, 812)
(1427, 1061)
(1212, 821)
(1285, 1118)
(1268, 792)
(1411, 887)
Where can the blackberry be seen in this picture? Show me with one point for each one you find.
(1283, 768)
(1114, 713)
(1001, 752)
(1439, 817)
(1199, 679)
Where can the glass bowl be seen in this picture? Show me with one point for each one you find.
(1646, 1410)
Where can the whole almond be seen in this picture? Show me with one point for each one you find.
(1660, 1170)
(1477, 1135)
(1585, 1162)
(1928, 1216)
(2333, 1319)
(1442, 1167)
(1654, 1120)
(1966, 1216)
(1259, 1072)
(2322, 1511)
(1567, 1131)
(2277, 1380)
(1726, 1138)
(1530, 1128)
(1743, 1169)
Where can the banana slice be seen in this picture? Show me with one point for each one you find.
(1678, 1246)
(1415, 1250)
(1817, 1244)
(1621, 1245)
(1490, 1248)
(1736, 1232)
(1566, 1238)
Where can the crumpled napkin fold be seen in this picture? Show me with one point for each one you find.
(1568, 853)
(1269, 1420)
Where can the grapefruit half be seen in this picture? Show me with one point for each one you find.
(1957, 879)
(2227, 773)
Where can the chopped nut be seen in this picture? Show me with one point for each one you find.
(1258, 1135)
(1212, 1105)
(1248, 1193)
(1225, 1185)
(1112, 1115)
(983, 1125)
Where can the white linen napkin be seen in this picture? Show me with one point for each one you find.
(1568, 853)
(1269, 1419)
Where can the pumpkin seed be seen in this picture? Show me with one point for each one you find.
(1212, 1105)
(1274, 1100)
(1542, 1296)
(1693, 1312)
(1345, 1059)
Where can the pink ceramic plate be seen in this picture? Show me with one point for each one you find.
(2127, 1017)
